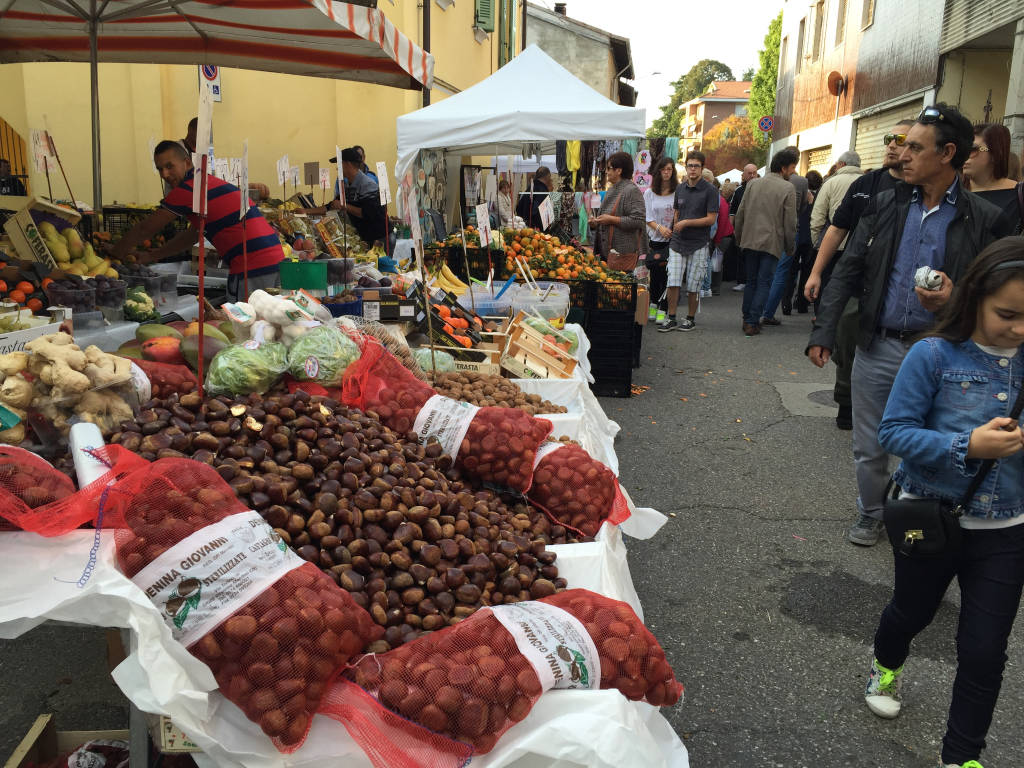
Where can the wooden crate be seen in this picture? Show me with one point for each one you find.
(44, 742)
(528, 355)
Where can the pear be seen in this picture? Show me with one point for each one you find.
(76, 268)
(46, 229)
(90, 259)
(59, 251)
(99, 269)
(75, 245)
(71, 235)
(111, 272)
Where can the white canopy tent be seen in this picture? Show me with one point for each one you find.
(735, 175)
(532, 99)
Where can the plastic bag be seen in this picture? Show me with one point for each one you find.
(322, 355)
(575, 490)
(274, 630)
(242, 369)
(473, 681)
(426, 359)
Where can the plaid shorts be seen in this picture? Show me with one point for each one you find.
(694, 266)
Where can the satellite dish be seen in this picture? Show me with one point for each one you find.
(836, 83)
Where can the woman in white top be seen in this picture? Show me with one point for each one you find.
(504, 203)
(658, 202)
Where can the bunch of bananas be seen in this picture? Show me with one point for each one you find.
(447, 280)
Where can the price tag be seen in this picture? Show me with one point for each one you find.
(483, 223)
(371, 310)
(547, 212)
(384, 183)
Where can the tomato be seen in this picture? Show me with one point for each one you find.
(34, 304)
(18, 297)
(25, 287)
(46, 282)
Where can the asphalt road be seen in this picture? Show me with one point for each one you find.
(765, 611)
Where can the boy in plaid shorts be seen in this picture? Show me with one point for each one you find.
(696, 209)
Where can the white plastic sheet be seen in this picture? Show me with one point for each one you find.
(43, 580)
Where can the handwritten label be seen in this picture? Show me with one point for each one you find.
(447, 420)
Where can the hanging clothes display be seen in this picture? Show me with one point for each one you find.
(672, 147)
(572, 159)
(630, 146)
(560, 164)
(657, 148)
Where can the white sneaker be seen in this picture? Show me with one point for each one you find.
(739, 287)
(705, 294)
(883, 690)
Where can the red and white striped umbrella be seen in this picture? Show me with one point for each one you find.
(320, 38)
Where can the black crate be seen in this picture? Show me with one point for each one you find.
(479, 266)
(118, 219)
(589, 295)
(613, 386)
(638, 338)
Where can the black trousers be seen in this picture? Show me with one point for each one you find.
(799, 271)
(990, 572)
(658, 265)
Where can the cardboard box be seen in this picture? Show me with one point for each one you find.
(24, 233)
(387, 307)
(44, 742)
(167, 737)
(15, 341)
(643, 304)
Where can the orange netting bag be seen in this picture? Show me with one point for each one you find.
(471, 682)
(494, 445)
(36, 497)
(166, 379)
(274, 630)
(576, 490)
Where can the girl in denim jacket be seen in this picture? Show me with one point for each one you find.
(946, 413)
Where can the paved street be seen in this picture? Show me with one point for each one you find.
(765, 611)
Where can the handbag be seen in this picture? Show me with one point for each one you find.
(620, 262)
(930, 528)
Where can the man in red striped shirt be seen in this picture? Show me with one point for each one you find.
(223, 225)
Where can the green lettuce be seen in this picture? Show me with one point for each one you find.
(239, 370)
(322, 355)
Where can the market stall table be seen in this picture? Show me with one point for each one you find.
(73, 578)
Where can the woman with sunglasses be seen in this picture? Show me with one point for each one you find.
(987, 170)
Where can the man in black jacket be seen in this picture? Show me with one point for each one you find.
(931, 220)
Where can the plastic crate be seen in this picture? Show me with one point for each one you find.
(589, 295)
(613, 386)
(478, 263)
(638, 340)
(339, 308)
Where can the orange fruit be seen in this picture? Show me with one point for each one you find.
(18, 297)
(25, 287)
(35, 305)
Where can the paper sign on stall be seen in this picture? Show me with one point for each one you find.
(282, 170)
(547, 212)
(223, 169)
(383, 183)
(325, 178)
(341, 176)
(311, 172)
(483, 223)
(243, 185)
(295, 174)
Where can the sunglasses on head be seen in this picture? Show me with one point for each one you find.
(930, 115)
(899, 138)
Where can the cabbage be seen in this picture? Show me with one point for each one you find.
(242, 369)
(445, 362)
(322, 355)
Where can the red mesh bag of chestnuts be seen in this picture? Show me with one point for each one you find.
(37, 497)
(471, 682)
(576, 490)
(274, 630)
(167, 379)
(494, 445)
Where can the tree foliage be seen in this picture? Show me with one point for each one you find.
(748, 74)
(765, 82)
(689, 86)
(731, 144)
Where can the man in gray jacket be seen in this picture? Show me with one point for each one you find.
(765, 229)
(832, 193)
(932, 221)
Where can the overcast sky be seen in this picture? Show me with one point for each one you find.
(667, 37)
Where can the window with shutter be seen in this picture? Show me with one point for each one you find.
(867, 13)
(800, 46)
(485, 15)
(841, 22)
(819, 28)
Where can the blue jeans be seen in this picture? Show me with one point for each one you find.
(989, 569)
(778, 286)
(759, 267)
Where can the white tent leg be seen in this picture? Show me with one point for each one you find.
(97, 182)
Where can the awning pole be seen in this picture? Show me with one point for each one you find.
(94, 77)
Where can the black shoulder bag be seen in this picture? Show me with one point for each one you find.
(930, 528)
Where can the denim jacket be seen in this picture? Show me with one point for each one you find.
(942, 392)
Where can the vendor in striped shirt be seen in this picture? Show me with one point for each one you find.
(223, 225)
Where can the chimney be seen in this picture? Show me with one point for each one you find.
(560, 9)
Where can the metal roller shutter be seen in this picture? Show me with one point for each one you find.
(871, 130)
(965, 20)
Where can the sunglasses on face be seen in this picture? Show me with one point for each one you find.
(978, 148)
(899, 138)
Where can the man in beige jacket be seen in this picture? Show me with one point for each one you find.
(832, 193)
(765, 228)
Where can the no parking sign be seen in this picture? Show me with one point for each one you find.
(210, 74)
